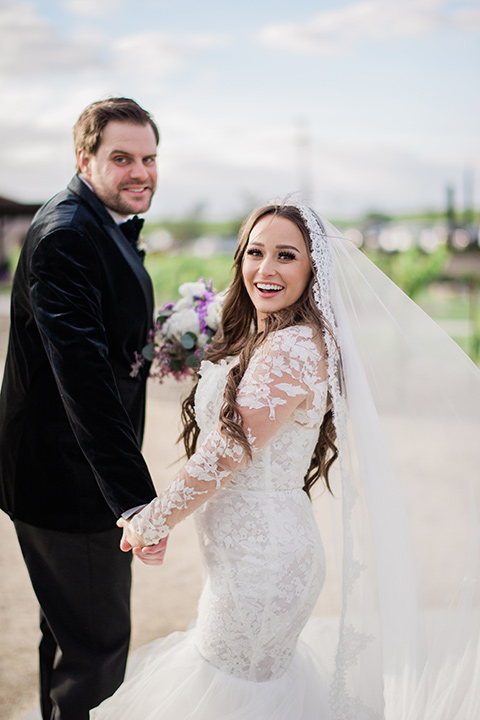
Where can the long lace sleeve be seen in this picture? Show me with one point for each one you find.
(285, 373)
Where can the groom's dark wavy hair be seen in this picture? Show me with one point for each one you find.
(87, 132)
(239, 335)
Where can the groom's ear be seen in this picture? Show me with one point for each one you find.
(83, 163)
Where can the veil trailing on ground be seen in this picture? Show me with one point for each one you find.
(406, 511)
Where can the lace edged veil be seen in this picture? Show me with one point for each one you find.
(406, 511)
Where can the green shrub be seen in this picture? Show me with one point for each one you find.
(170, 271)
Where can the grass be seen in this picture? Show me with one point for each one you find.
(168, 272)
(452, 307)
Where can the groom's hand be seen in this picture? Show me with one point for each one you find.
(129, 538)
(149, 555)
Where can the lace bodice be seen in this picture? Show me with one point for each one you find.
(284, 388)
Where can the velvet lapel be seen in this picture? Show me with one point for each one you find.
(108, 224)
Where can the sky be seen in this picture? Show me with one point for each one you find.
(360, 105)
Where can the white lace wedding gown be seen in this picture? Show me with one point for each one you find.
(263, 557)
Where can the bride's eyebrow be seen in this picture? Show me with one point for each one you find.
(277, 247)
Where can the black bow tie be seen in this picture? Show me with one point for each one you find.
(131, 229)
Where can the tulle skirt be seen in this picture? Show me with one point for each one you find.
(168, 679)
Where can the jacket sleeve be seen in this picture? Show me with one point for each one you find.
(66, 296)
(286, 372)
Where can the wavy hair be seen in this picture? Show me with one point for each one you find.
(239, 336)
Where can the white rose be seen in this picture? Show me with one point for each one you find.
(214, 311)
(192, 289)
(202, 340)
(181, 322)
(183, 304)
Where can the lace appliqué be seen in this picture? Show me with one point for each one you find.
(204, 474)
(286, 376)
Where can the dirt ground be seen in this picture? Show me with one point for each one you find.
(164, 598)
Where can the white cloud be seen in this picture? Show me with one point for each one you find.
(30, 46)
(221, 165)
(38, 104)
(337, 31)
(151, 55)
(468, 19)
(91, 8)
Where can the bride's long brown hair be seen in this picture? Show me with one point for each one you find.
(239, 335)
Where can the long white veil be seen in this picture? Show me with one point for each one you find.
(407, 505)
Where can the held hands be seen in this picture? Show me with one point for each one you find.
(149, 555)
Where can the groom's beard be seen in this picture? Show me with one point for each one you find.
(127, 204)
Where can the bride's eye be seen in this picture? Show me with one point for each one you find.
(285, 255)
(255, 252)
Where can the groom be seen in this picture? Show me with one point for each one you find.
(71, 416)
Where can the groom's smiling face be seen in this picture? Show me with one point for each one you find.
(123, 171)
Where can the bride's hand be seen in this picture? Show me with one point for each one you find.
(153, 554)
(130, 539)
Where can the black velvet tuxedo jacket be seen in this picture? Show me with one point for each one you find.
(71, 417)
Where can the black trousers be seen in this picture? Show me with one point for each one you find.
(82, 583)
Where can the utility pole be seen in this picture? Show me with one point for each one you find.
(304, 159)
(467, 196)
(450, 213)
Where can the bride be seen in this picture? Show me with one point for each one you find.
(320, 356)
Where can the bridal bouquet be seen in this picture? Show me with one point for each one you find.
(182, 332)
